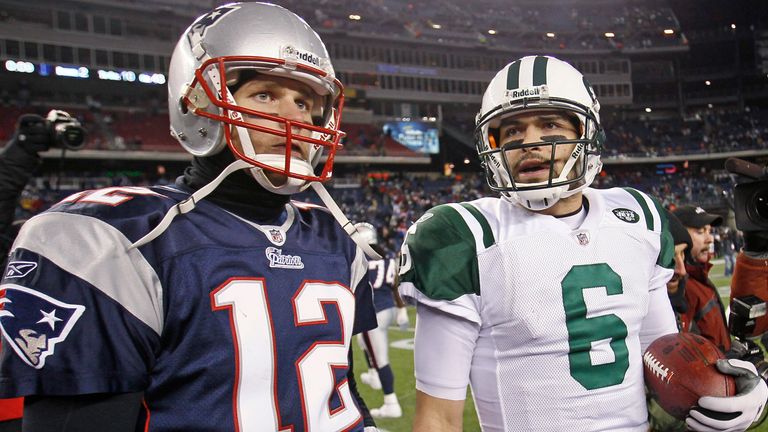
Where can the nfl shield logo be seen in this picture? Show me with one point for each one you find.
(276, 236)
(583, 238)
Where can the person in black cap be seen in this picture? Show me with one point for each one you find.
(705, 309)
(676, 285)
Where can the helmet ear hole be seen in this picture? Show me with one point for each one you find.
(183, 106)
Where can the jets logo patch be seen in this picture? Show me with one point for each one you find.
(33, 322)
(627, 215)
(19, 269)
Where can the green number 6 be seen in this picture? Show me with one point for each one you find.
(582, 331)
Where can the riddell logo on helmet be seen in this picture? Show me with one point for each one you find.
(533, 91)
(308, 57)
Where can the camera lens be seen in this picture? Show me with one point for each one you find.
(760, 204)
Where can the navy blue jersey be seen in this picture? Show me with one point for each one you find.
(222, 323)
(382, 275)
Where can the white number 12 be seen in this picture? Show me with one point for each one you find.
(255, 405)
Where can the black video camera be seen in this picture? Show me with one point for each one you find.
(66, 131)
(750, 198)
(741, 324)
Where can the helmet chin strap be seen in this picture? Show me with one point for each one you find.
(292, 185)
(189, 204)
(348, 226)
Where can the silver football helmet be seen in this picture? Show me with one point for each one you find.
(536, 83)
(367, 232)
(212, 54)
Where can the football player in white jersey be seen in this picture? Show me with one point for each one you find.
(543, 300)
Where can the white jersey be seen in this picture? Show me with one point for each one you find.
(559, 317)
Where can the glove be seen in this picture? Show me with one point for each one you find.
(402, 318)
(736, 413)
(33, 133)
(371, 429)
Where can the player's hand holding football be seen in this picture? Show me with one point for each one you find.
(735, 413)
(402, 318)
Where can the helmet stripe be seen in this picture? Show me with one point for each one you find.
(589, 88)
(540, 70)
(513, 76)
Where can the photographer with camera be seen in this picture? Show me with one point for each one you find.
(749, 285)
(706, 313)
(19, 159)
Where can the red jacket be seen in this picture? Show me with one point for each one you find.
(705, 314)
(750, 276)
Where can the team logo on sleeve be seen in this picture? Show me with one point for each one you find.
(33, 323)
(19, 269)
(627, 215)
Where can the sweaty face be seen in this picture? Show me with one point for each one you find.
(280, 97)
(701, 238)
(680, 273)
(532, 164)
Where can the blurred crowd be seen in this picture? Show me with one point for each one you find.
(637, 26)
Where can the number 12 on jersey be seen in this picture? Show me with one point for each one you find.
(251, 322)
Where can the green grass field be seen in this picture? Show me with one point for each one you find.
(402, 366)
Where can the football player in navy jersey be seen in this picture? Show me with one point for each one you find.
(216, 303)
(389, 308)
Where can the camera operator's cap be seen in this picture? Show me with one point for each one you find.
(696, 217)
(679, 233)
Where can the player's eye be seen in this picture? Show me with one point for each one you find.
(510, 131)
(304, 105)
(263, 96)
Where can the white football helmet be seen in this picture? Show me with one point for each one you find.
(211, 55)
(536, 83)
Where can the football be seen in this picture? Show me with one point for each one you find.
(680, 368)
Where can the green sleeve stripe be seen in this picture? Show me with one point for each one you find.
(667, 252)
(468, 222)
(488, 239)
(644, 205)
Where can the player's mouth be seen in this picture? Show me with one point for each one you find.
(295, 151)
(533, 170)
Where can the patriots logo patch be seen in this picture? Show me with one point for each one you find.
(198, 29)
(33, 323)
(19, 269)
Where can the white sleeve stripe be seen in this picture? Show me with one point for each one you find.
(472, 224)
(99, 254)
(359, 268)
